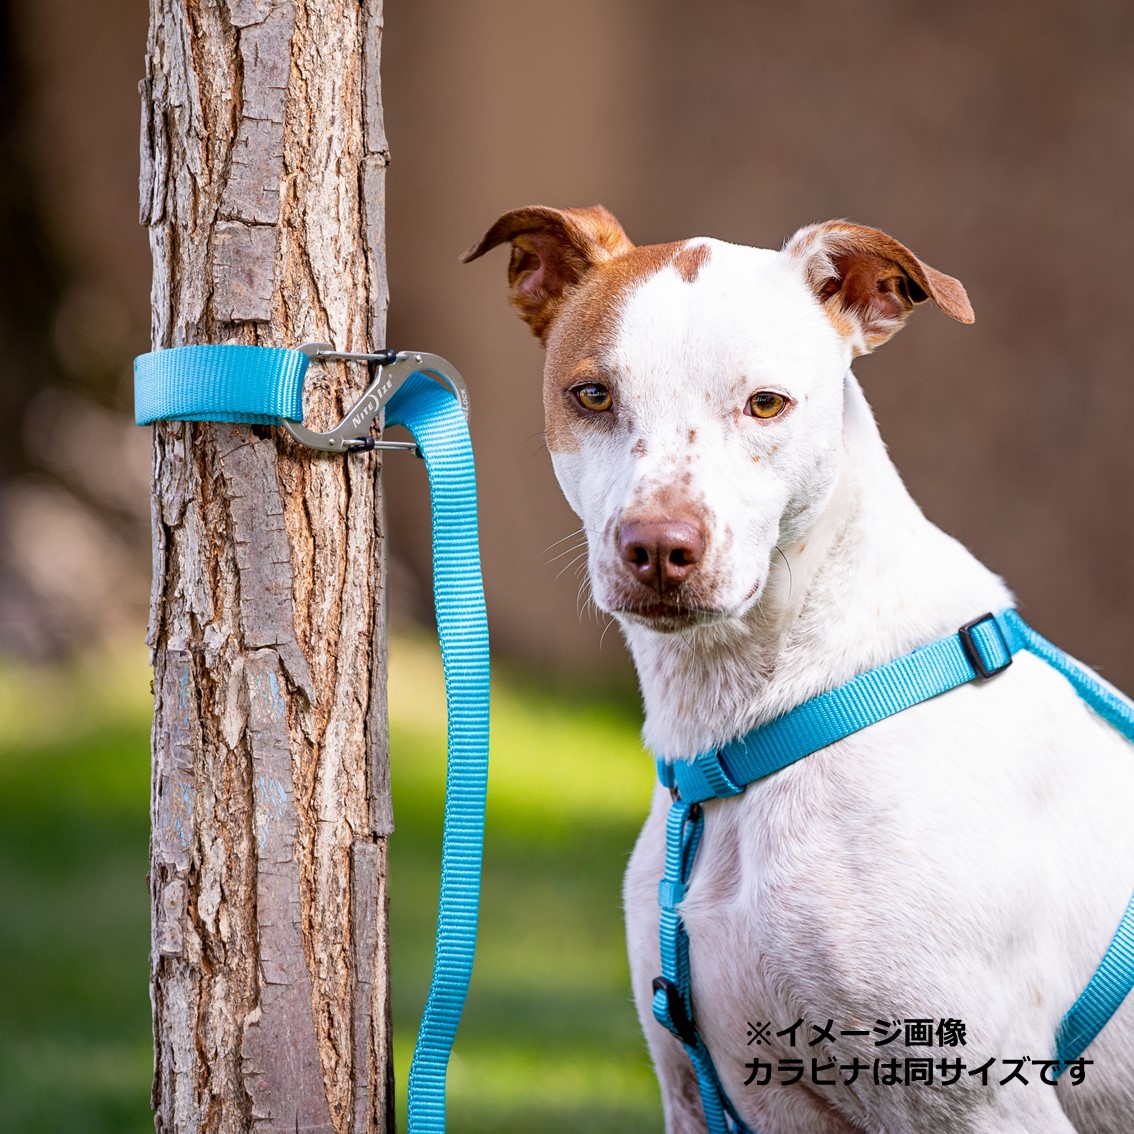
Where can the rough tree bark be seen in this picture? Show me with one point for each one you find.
(263, 157)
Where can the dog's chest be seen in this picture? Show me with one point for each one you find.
(776, 920)
(857, 885)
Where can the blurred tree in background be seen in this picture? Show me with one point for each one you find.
(74, 563)
(994, 140)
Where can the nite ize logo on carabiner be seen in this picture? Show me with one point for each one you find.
(370, 406)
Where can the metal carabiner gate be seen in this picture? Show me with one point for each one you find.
(393, 369)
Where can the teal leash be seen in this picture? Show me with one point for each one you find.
(426, 395)
(440, 429)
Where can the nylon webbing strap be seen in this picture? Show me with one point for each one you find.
(251, 385)
(263, 385)
(673, 998)
(439, 427)
(1105, 991)
(1114, 977)
(864, 700)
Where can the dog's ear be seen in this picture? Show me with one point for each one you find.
(868, 283)
(552, 250)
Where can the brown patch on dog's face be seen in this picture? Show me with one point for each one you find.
(570, 273)
(690, 260)
(586, 325)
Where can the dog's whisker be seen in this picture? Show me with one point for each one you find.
(602, 636)
(689, 643)
(572, 550)
(566, 551)
(541, 444)
(579, 559)
(788, 566)
(563, 539)
(584, 598)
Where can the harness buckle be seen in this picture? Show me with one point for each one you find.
(390, 369)
(972, 647)
(675, 1018)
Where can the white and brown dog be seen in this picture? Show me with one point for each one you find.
(967, 859)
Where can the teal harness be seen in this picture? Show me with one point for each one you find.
(979, 651)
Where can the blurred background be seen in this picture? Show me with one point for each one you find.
(994, 140)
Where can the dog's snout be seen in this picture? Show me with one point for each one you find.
(661, 554)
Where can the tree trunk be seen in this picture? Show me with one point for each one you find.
(263, 157)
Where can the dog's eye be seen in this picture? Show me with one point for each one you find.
(766, 404)
(593, 396)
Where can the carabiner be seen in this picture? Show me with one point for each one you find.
(394, 368)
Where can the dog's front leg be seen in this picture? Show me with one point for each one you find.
(783, 1111)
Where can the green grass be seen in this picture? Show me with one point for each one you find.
(74, 1003)
(549, 1040)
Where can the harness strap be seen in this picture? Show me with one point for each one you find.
(673, 1000)
(978, 651)
(263, 385)
(1114, 977)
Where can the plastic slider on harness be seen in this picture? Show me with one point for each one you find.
(391, 370)
(985, 646)
(677, 1020)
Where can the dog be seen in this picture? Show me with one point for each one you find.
(964, 861)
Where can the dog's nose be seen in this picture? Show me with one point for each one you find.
(661, 553)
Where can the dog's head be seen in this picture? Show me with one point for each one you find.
(694, 392)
